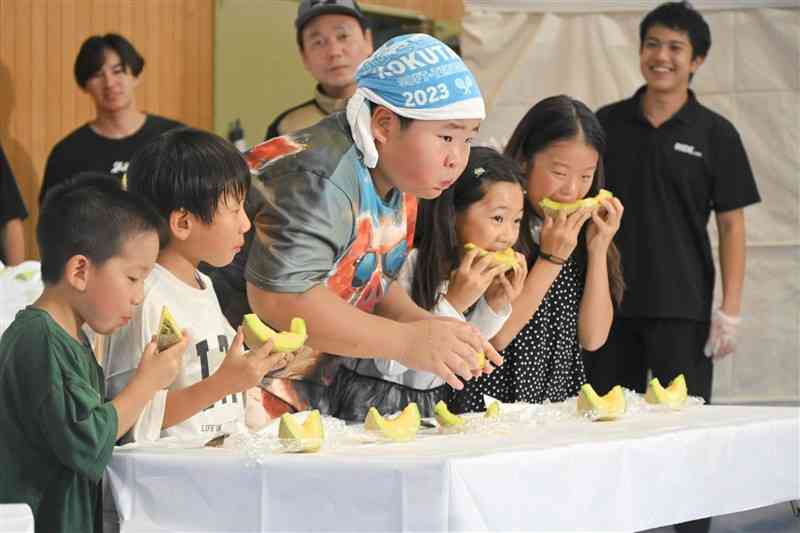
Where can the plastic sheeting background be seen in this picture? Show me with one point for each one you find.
(751, 76)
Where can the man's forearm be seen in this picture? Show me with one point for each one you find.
(12, 241)
(731, 228)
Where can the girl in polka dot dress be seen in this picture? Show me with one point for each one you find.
(574, 277)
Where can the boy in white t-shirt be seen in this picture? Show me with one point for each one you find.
(198, 183)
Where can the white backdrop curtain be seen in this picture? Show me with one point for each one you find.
(522, 51)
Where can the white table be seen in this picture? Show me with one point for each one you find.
(637, 473)
(16, 518)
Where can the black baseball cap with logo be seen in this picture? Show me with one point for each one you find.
(309, 9)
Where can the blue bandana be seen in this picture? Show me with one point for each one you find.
(417, 77)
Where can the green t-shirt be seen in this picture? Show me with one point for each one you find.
(56, 432)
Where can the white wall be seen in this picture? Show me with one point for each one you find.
(522, 51)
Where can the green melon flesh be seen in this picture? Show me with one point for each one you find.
(257, 333)
(505, 257)
(307, 437)
(552, 208)
(401, 429)
(607, 407)
(169, 334)
(674, 396)
(444, 417)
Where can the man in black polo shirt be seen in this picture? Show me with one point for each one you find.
(672, 162)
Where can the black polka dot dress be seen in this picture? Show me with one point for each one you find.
(544, 360)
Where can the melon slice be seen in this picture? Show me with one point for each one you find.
(505, 257)
(169, 334)
(607, 407)
(445, 418)
(674, 396)
(307, 437)
(400, 429)
(493, 411)
(552, 208)
(257, 333)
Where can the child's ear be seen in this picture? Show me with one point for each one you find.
(180, 224)
(76, 272)
(382, 123)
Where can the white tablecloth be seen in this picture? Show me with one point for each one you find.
(636, 473)
(16, 518)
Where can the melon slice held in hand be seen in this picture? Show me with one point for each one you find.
(169, 334)
(257, 333)
(553, 208)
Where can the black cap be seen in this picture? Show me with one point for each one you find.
(313, 8)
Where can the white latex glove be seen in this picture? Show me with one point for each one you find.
(722, 337)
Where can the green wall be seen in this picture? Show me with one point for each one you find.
(258, 72)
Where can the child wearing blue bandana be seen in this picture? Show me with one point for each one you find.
(334, 207)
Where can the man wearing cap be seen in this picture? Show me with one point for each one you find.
(333, 38)
(334, 208)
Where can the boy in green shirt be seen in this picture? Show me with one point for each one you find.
(98, 243)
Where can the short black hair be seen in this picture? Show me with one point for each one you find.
(679, 16)
(189, 169)
(93, 53)
(89, 214)
(404, 121)
(484, 167)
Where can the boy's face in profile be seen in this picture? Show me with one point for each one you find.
(665, 60)
(109, 293)
(217, 243)
(427, 156)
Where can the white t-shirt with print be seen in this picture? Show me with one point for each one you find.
(198, 311)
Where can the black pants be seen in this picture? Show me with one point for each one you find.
(352, 394)
(667, 347)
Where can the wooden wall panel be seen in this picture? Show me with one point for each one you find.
(39, 100)
(452, 10)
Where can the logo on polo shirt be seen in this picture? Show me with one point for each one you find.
(687, 149)
(119, 167)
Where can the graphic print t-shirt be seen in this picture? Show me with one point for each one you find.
(319, 220)
(198, 311)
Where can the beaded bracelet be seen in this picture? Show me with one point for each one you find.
(552, 258)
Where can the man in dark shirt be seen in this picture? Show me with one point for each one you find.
(107, 69)
(12, 213)
(672, 162)
(333, 39)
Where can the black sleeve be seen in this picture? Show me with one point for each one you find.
(54, 173)
(272, 130)
(602, 115)
(11, 204)
(734, 184)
